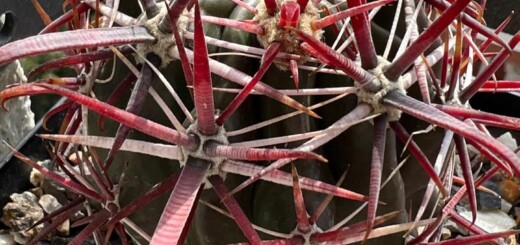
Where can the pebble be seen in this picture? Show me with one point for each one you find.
(491, 221)
(21, 214)
(6, 239)
(50, 204)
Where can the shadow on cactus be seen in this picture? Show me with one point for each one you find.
(290, 34)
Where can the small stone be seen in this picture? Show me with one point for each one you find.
(508, 140)
(445, 234)
(509, 190)
(505, 206)
(26, 197)
(36, 178)
(488, 201)
(18, 118)
(511, 240)
(491, 221)
(77, 157)
(50, 204)
(454, 228)
(21, 214)
(6, 239)
(37, 191)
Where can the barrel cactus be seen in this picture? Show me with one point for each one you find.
(273, 121)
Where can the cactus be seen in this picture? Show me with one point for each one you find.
(257, 152)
